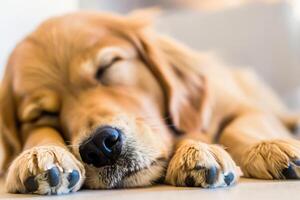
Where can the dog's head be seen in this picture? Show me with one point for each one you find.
(114, 90)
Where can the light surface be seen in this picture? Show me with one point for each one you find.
(19, 18)
(246, 189)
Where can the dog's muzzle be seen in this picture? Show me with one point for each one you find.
(103, 147)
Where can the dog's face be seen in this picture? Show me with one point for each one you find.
(108, 85)
(79, 75)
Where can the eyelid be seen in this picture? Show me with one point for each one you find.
(37, 114)
(30, 112)
(41, 115)
(101, 68)
(108, 55)
(113, 60)
(36, 105)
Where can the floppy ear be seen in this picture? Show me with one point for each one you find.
(10, 144)
(175, 67)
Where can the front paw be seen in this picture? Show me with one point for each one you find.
(274, 159)
(196, 164)
(45, 170)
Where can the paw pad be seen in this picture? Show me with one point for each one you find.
(48, 170)
(292, 171)
(73, 178)
(211, 175)
(31, 184)
(200, 165)
(190, 181)
(53, 176)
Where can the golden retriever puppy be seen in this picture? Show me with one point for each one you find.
(102, 101)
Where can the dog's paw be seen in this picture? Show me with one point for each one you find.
(274, 159)
(196, 164)
(45, 170)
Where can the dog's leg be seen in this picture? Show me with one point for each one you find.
(45, 166)
(292, 122)
(262, 146)
(258, 91)
(198, 164)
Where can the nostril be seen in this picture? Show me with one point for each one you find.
(107, 139)
(103, 148)
(111, 140)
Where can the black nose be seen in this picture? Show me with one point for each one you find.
(103, 148)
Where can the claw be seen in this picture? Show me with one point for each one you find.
(228, 178)
(290, 173)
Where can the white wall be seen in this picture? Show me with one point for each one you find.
(264, 37)
(19, 17)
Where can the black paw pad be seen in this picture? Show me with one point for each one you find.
(290, 173)
(189, 181)
(73, 178)
(53, 176)
(228, 178)
(31, 184)
(211, 175)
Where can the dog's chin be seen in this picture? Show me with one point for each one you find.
(144, 177)
(117, 176)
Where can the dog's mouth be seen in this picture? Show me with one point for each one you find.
(136, 171)
(132, 174)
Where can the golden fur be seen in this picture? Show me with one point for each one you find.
(171, 102)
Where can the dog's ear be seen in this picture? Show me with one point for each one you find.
(185, 88)
(10, 144)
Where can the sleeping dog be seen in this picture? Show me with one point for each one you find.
(103, 101)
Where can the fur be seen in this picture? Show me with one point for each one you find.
(85, 70)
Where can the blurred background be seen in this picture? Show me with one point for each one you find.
(261, 34)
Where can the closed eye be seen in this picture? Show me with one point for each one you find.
(101, 70)
(44, 119)
(44, 114)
